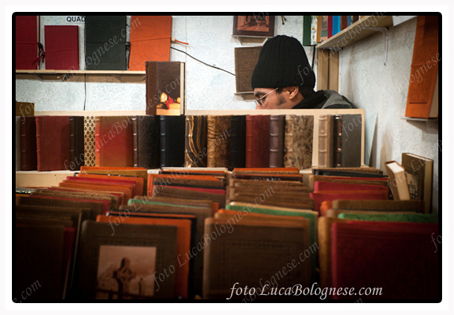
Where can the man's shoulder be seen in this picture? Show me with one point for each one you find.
(336, 100)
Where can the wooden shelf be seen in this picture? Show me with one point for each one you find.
(419, 119)
(356, 32)
(104, 76)
(99, 72)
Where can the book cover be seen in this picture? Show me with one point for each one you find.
(314, 26)
(18, 143)
(76, 142)
(113, 136)
(325, 141)
(277, 135)
(196, 151)
(145, 139)
(52, 143)
(324, 19)
(245, 60)
(397, 180)
(27, 145)
(330, 26)
(307, 22)
(219, 142)
(336, 24)
(165, 88)
(299, 131)
(89, 141)
(238, 142)
(257, 145)
(105, 42)
(344, 22)
(26, 42)
(62, 47)
(347, 140)
(150, 40)
(172, 133)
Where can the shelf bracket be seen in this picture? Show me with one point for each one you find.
(384, 31)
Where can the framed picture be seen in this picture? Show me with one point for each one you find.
(253, 25)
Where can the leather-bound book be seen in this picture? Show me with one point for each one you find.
(105, 42)
(388, 205)
(76, 141)
(195, 141)
(89, 141)
(277, 135)
(28, 159)
(219, 142)
(165, 88)
(52, 143)
(139, 181)
(145, 135)
(257, 141)
(245, 60)
(324, 241)
(408, 271)
(344, 22)
(150, 40)
(422, 99)
(238, 142)
(390, 217)
(38, 262)
(251, 250)
(335, 213)
(299, 133)
(347, 140)
(325, 141)
(25, 109)
(126, 264)
(18, 142)
(26, 42)
(62, 47)
(113, 136)
(172, 140)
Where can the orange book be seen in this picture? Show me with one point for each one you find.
(325, 206)
(101, 187)
(110, 168)
(183, 245)
(139, 180)
(422, 98)
(150, 40)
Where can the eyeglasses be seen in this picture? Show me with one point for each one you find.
(262, 99)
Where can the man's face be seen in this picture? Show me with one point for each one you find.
(273, 100)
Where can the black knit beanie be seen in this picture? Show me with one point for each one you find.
(283, 62)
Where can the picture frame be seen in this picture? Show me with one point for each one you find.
(260, 25)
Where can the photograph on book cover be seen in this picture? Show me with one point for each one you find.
(125, 272)
(253, 25)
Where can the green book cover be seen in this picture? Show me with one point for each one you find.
(147, 202)
(416, 218)
(307, 20)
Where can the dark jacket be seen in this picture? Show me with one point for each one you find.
(324, 99)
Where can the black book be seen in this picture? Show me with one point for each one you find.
(172, 134)
(238, 142)
(105, 42)
(145, 136)
(347, 140)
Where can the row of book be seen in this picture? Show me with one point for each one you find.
(104, 39)
(49, 143)
(317, 28)
(194, 233)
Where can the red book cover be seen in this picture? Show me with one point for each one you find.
(52, 143)
(62, 47)
(113, 141)
(257, 141)
(26, 42)
(324, 186)
(320, 196)
(112, 181)
(401, 258)
(343, 22)
(150, 40)
(330, 26)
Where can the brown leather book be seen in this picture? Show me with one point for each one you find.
(257, 141)
(183, 246)
(299, 132)
(325, 141)
(76, 142)
(197, 252)
(195, 141)
(95, 207)
(126, 190)
(52, 143)
(138, 180)
(113, 137)
(28, 143)
(182, 202)
(89, 141)
(347, 131)
(146, 141)
(387, 205)
(277, 135)
(126, 264)
(245, 60)
(250, 252)
(25, 109)
(324, 241)
(219, 143)
(191, 194)
(17, 136)
(422, 99)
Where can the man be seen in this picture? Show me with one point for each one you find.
(283, 79)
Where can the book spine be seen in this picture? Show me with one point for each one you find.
(237, 149)
(163, 139)
(72, 141)
(24, 155)
(277, 140)
(188, 140)
(249, 140)
(307, 19)
(98, 139)
(337, 141)
(76, 143)
(289, 160)
(322, 141)
(211, 141)
(135, 140)
(38, 121)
